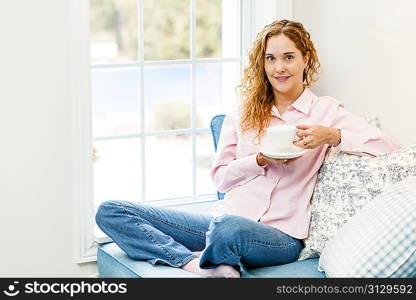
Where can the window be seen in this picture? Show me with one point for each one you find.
(156, 74)
(160, 70)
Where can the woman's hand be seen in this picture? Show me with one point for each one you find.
(317, 135)
(263, 160)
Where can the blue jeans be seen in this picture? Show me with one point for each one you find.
(169, 236)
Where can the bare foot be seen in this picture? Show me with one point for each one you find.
(226, 271)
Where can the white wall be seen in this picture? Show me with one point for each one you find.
(367, 51)
(263, 12)
(38, 215)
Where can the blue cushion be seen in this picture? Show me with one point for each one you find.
(114, 262)
(216, 125)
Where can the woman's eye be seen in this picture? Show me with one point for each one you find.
(289, 57)
(269, 57)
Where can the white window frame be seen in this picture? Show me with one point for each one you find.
(252, 12)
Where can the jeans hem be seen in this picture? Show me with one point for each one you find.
(172, 262)
(186, 260)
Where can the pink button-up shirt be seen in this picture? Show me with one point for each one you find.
(276, 195)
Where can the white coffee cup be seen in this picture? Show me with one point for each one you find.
(279, 138)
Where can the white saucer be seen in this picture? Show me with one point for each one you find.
(286, 155)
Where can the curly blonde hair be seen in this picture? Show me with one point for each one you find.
(255, 88)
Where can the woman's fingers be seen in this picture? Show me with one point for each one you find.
(306, 136)
(303, 133)
(277, 160)
(303, 127)
(301, 144)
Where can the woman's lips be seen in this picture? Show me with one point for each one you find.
(282, 78)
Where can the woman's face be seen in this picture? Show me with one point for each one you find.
(284, 65)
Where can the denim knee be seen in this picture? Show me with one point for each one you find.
(105, 210)
(227, 228)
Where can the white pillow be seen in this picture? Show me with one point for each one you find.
(345, 184)
(379, 240)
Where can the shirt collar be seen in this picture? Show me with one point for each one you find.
(302, 104)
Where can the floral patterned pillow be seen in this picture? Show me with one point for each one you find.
(345, 184)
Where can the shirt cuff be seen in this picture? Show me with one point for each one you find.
(351, 142)
(248, 165)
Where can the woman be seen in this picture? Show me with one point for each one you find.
(265, 214)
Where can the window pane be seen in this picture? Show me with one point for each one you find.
(204, 157)
(215, 85)
(114, 33)
(167, 96)
(117, 174)
(115, 99)
(166, 29)
(217, 28)
(231, 25)
(208, 28)
(168, 167)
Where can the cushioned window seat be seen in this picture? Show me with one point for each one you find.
(114, 262)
